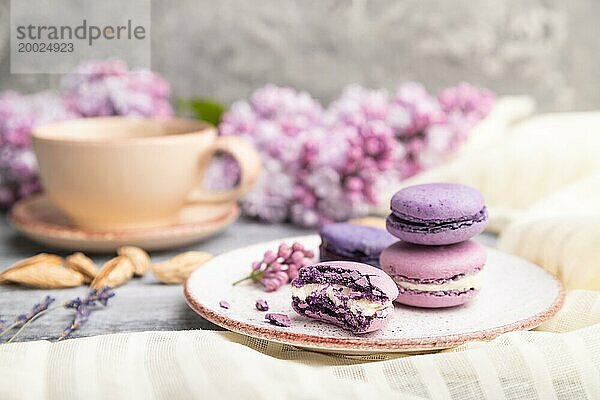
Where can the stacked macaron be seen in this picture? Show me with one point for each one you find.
(436, 264)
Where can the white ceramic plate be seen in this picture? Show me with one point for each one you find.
(516, 295)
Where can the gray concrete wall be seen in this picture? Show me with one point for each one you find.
(224, 49)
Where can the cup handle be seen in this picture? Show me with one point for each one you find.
(248, 160)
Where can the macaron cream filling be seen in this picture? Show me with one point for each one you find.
(414, 224)
(460, 283)
(340, 296)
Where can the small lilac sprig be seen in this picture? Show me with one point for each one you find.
(83, 308)
(22, 320)
(278, 269)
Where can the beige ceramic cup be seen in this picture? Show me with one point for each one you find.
(120, 172)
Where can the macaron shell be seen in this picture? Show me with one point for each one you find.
(345, 239)
(326, 255)
(378, 278)
(428, 300)
(376, 323)
(432, 262)
(441, 237)
(437, 201)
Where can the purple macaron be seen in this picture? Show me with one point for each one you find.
(435, 276)
(350, 242)
(358, 297)
(437, 214)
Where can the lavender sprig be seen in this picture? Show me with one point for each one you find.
(93, 296)
(22, 320)
(84, 308)
(81, 317)
(35, 310)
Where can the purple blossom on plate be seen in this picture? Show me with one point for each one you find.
(278, 319)
(262, 305)
(224, 304)
(278, 269)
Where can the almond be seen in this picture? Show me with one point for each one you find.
(178, 269)
(113, 273)
(84, 265)
(43, 271)
(138, 257)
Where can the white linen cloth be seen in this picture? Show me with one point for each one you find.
(559, 360)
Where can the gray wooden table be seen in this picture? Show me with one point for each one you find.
(140, 305)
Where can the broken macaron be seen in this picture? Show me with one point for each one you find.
(355, 296)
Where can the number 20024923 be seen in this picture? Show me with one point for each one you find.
(28, 47)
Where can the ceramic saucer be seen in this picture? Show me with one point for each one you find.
(38, 219)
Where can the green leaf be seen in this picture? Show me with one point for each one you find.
(202, 108)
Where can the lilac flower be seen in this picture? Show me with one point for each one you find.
(326, 165)
(17, 165)
(222, 173)
(50, 106)
(278, 269)
(422, 109)
(269, 200)
(271, 114)
(262, 305)
(224, 304)
(467, 100)
(337, 186)
(99, 88)
(294, 110)
(358, 105)
(278, 319)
